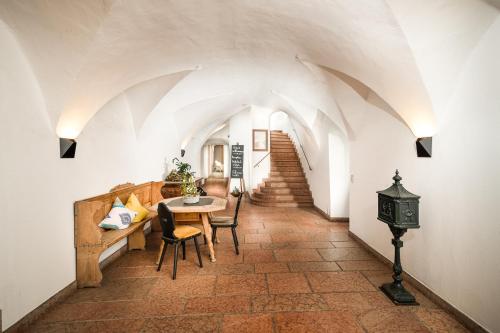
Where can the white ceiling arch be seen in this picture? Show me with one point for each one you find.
(85, 52)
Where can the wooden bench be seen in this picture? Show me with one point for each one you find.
(91, 240)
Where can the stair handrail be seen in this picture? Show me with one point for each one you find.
(300, 144)
(257, 164)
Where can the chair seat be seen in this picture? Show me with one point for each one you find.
(186, 231)
(222, 221)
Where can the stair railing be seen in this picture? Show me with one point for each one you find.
(257, 164)
(300, 144)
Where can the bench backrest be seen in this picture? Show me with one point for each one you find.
(90, 212)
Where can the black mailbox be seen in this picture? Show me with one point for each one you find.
(397, 207)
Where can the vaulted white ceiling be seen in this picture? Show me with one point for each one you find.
(207, 58)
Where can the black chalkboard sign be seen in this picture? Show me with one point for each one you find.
(237, 161)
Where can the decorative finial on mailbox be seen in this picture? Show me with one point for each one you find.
(397, 178)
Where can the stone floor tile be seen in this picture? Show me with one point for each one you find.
(183, 286)
(338, 282)
(439, 321)
(397, 320)
(257, 238)
(362, 265)
(357, 303)
(325, 321)
(308, 245)
(313, 266)
(116, 290)
(250, 284)
(297, 255)
(289, 237)
(271, 267)
(256, 256)
(328, 236)
(112, 326)
(345, 254)
(287, 283)
(183, 324)
(288, 302)
(250, 323)
(346, 244)
(220, 304)
(218, 269)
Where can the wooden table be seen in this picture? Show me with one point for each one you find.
(217, 204)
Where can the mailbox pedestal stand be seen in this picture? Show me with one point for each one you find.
(398, 208)
(395, 290)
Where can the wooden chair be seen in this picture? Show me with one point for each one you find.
(227, 222)
(175, 235)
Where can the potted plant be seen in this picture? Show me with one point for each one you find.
(236, 192)
(189, 190)
(183, 170)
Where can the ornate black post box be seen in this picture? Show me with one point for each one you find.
(399, 209)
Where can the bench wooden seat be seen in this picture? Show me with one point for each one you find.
(91, 240)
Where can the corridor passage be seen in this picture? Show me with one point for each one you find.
(296, 272)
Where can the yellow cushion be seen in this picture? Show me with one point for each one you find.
(185, 231)
(134, 204)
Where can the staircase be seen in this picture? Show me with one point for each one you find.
(287, 184)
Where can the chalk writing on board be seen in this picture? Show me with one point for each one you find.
(237, 161)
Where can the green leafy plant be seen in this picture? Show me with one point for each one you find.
(235, 192)
(183, 170)
(188, 186)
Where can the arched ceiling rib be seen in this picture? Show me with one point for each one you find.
(143, 97)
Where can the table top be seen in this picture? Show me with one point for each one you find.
(217, 204)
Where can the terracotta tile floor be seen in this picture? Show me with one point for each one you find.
(296, 272)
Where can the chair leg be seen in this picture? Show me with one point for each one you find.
(214, 234)
(183, 250)
(176, 252)
(205, 239)
(162, 255)
(235, 239)
(198, 250)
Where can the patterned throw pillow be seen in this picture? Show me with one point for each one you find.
(119, 217)
(135, 205)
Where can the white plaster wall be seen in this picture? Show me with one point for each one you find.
(455, 252)
(38, 188)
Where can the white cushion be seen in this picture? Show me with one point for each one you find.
(119, 217)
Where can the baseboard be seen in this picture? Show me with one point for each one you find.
(468, 322)
(331, 219)
(59, 297)
(30, 318)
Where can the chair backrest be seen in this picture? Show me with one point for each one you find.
(166, 221)
(237, 208)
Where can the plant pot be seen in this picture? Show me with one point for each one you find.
(235, 194)
(189, 200)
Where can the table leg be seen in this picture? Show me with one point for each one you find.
(208, 235)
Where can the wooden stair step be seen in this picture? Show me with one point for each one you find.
(282, 197)
(285, 190)
(290, 204)
(287, 174)
(286, 184)
(295, 179)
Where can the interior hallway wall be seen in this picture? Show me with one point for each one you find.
(455, 252)
(38, 188)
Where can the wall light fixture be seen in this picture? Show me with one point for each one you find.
(424, 147)
(67, 148)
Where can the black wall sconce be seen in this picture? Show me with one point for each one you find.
(67, 148)
(424, 147)
(183, 152)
